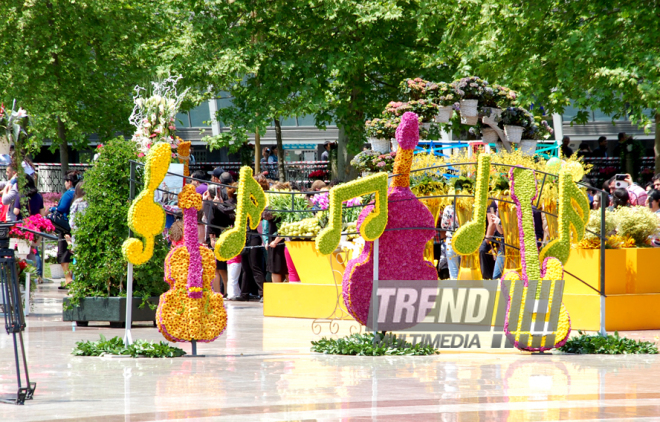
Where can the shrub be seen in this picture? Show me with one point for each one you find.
(100, 269)
(608, 345)
(363, 345)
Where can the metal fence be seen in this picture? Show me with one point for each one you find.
(50, 174)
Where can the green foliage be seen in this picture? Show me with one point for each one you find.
(73, 64)
(363, 345)
(115, 346)
(596, 53)
(282, 201)
(341, 61)
(100, 269)
(608, 345)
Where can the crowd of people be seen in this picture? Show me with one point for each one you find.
(264, 258)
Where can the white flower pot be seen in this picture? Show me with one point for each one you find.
(395, 145)
(469, 120)
(513, 133)
(489, 135)
(528, 146)
(444, 114)
(56, 271)
(380, 145)
(426, 125)
(469, 108)
(23, 246)
(492, 113)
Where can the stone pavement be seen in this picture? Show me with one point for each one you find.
(261, 369)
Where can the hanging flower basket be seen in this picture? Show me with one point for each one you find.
(469, 120)
(489, 135)
(444, 114)
(395, 145)
(513, 133)
(493, 113)
(21, 246)
(380, 145)
(528, 146)
(469, 108)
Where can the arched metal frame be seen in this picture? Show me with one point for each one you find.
(546, 175)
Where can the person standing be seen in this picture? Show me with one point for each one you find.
(252, 259)
(325, 156)
(449, 224)
(64, 255)
(566, 151)
(78, 208)
(10, 194)
(601, 151)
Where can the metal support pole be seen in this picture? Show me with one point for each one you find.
(26, 306)
(128, 339)
(374, 292)
(43, 257)
(603, 238)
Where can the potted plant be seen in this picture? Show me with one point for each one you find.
(515, 120)
(56, 271)
(380, 131)
(414, 89)
(470, 90)
(445, 98)
(539, 129)
(97, 292)
(368, 162)
(495, 98)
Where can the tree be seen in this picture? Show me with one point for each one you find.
(73, 65)
(600, 54)
(341, 61)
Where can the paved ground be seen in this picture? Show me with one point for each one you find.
(262, 369)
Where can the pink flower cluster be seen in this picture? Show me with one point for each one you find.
(321, 200)
(195, 264)
(36, 223)
(407, 134)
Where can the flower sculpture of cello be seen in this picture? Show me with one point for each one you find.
(190, 310)
(401, 252)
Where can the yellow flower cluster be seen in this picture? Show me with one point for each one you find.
(251, 201)
(189, 198)
(373, 225)
(181, 318)
(183, 151)
(572, 217)
(145, 217)
(402, 164)
(468, 237)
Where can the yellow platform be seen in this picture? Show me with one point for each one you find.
(300, 300)
(631, 286)
(314, 268)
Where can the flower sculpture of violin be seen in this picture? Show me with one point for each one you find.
(190, 310)
(401, 252)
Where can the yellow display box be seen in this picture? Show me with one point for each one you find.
(314, 268)
(627, 271)
(632, 289)
(298, 300)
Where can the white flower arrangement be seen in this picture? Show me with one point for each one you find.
(154, 117)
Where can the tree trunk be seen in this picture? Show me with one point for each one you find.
(64, 147)
(344, 168)
(657, 141)
(257, 152)
(281, 174)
